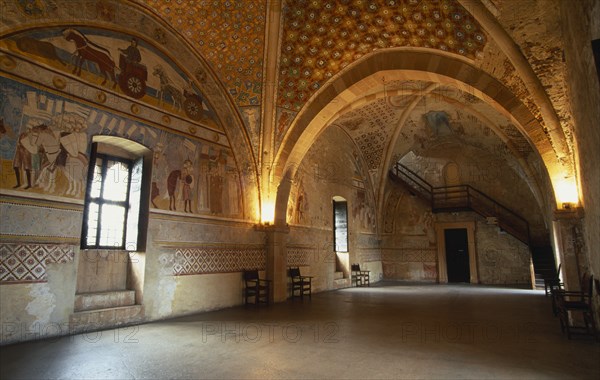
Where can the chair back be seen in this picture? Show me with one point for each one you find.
(587, 285)
(294, 272)
(355, 268)
(250, 275)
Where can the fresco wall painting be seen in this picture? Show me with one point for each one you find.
(46, 132)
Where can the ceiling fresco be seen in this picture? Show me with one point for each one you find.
(444, 113)
(229, 35)
(518, 142)
(370, 127)
(320, 38)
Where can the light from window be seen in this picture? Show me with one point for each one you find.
(340, 226)
(108, 203)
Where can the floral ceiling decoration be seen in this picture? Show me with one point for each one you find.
(320, 38)
(230, 36)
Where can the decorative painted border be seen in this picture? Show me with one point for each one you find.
(26, 263)
(370, 254)
(211, 259)
(410, 255)
(298, 256)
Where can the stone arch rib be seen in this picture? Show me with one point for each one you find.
(440, 68)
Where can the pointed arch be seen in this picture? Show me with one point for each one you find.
(416, 64)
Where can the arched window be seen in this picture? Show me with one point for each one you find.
(116, 202)
(340, 224)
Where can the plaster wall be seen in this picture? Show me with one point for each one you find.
(193, 260)
(488, 170)
(195, 253)
(581, 25)
(32, 311)
(190, 266)
(502, 259)
(194, 266)
(491, 174)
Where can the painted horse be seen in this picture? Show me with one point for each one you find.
(56, 157)
(88, 50)
(167, 88)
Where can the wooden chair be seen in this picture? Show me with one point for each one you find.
(359, 277)
(301, 284)
(569, 302)
(256, 288)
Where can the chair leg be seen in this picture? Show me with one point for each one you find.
(590, 324)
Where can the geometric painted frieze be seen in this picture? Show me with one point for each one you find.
(27, 262)
(299, 256)
(201, 260)
(410, 255)
(370, 255)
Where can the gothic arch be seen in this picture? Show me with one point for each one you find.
(417, 64)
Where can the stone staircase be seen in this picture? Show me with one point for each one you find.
(102, 310)
(543, 263)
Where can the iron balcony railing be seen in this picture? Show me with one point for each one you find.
(463, 198)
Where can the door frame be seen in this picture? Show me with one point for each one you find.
(440, 227)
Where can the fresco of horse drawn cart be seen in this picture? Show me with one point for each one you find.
(118, 62)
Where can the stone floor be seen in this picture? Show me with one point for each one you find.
(390, 330)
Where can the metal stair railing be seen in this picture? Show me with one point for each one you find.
(415, 183)
(462, 198)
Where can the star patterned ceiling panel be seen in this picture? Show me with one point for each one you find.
(370, 127)
(322, 37)
(230, 36)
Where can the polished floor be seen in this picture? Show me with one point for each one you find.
(387, 331)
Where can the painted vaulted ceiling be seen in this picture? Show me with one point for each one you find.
(318, 39)
(289, 69)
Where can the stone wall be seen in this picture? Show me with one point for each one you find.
(333, 167)
(502, 259)
(580, 26)
(410, 251)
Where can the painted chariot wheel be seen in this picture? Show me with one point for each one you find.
(193, 108)
(133, 86)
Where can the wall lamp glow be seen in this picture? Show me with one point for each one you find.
(566, 193)
(267, 214)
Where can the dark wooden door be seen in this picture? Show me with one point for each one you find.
(457, 255)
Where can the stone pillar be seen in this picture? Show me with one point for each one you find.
(567, 225)
(276, 243)
(277, 261)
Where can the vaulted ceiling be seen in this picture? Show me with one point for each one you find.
(279, 72)
(319, 42)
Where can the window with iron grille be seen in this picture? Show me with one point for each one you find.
(112, 203)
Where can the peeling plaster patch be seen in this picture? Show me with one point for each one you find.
(252, 122)
(166, 285)
(42, 304)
